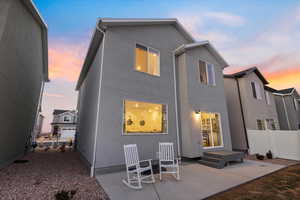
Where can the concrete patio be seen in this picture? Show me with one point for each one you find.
(197, 181)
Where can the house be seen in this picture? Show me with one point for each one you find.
(38, 127)
(287, 103)
(147, 81)
(64, 124)
(23, 72)
(251, 105)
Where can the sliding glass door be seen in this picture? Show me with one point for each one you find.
(211, 130)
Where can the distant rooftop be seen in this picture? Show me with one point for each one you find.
(246, 72)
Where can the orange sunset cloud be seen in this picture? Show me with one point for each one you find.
(65, 61)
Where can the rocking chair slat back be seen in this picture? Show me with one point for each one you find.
(166, 151)
(131, 155)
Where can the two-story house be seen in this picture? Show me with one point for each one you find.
(23, 72)
(251, 105)
(287, 103)
(64, 124)
(147, 81)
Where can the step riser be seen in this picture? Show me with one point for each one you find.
(211, 164)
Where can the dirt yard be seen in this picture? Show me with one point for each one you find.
(47, 173)
(281, 185)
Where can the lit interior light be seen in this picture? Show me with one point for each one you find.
(139, 67)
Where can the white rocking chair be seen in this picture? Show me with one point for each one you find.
(135, 176)
(167, 160)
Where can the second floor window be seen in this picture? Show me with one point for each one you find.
(66, 119)
(268, 100)
(256, 90)
(207, 73)
(147, 60)
(296, 104)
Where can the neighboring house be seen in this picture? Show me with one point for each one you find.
(147, 81)
(38, 127)
(287, 103)
(251, 105)
(23, 71)
(64, 124)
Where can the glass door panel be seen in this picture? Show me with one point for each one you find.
(211, 130)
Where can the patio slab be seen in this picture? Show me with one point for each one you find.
(197, 181)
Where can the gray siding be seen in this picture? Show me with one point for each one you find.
(238, 137)
(21, 77)
(121, 81)
(87, 109)
(254, 108)
(197, 96)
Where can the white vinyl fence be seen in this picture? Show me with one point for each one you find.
(283, 144)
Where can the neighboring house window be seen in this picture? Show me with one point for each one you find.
(296, 104)
(256, 90)
(270, 124)
(147, 60)
(261, 124)
(66, 119)
(211, 129)
(207, 73)
(142, 117)
(268, 100)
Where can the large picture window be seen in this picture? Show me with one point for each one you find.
(143, 117)
(207, 73)
(211, 129)
(147, 60)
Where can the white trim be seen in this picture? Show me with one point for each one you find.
(280, 94)
(143, 133)
(92, 172)
(221, 131)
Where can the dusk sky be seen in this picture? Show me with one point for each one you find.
(258, 33)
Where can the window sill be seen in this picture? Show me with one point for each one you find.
(216, 147)
(142, 134)
(152, 75)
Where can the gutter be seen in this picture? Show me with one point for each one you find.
(176, 104)
(242, 111)
(92, 172)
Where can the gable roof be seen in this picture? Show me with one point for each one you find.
(286, 91)
(103, 23)
(57, 111)
(37, 16)
(246, 72)
(204, 43)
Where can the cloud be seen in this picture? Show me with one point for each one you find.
(53, 95)
(225, 18)
(65, 59)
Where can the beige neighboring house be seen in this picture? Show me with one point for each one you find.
(64, 124)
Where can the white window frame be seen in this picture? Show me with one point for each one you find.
(207, 76)
(148, 48)
(221, 131)
(258, 90)
(144, 133)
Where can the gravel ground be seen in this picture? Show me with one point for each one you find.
(45, 174)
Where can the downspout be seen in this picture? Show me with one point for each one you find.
(92, 172)
(285, 112)
(39, 104)
(176, 106)
(242, 111)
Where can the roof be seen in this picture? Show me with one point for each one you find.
(246, 72)
(205, 43)
(269, 89)
(286, 91)
(57, 112)
(103, 23)
(37, 16)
